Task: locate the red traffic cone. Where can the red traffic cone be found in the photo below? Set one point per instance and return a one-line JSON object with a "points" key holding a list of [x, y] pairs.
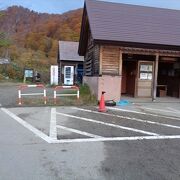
{"points": [[102, 107]]}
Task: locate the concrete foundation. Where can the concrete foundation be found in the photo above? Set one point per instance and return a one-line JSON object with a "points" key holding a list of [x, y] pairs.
{"points": [[110, 84]]}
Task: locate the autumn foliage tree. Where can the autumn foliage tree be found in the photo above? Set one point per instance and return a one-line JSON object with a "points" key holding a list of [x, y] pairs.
{"points": [[34, 36]]}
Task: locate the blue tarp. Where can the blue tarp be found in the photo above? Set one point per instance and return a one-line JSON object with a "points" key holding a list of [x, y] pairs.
{"points": [[122, 103]]}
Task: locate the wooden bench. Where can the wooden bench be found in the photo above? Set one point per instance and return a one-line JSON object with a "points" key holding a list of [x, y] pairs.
{"points": [[162, 90]]}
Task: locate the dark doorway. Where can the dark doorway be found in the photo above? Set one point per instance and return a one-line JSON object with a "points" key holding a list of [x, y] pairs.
{"points": [[79, 73], [168, 78], [129, 71]]}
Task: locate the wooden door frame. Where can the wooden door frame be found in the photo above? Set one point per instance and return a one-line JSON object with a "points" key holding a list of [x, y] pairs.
{"points": [[137, 76]]}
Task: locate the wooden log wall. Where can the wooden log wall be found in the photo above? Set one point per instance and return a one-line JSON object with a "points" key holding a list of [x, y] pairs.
{"points": [[96, 59], [91, 59], [110, 60], [88, 59]]}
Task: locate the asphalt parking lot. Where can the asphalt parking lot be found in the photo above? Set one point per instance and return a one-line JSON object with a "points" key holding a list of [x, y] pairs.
{"points": [[113, 145], [138, 141], [75, 124]]}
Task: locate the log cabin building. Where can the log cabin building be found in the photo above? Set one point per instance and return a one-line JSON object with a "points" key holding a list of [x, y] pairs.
{"points": [[130, 49], [70, 64]]}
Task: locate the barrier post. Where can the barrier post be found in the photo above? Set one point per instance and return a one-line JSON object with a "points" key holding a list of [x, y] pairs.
{"points": [[55, 96], [78, 94], [19, 97], [45, 97]]}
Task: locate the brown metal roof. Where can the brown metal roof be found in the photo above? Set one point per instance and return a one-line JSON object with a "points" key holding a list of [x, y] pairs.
{"points": [[68, 51], [131, 23]]}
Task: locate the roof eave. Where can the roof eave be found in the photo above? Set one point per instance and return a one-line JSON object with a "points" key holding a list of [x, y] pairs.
{"points": [[138, 45], [85, 28], [82, 34]]}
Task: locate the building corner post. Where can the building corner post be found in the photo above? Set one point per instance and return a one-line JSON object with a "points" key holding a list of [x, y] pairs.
{"points": [[120, 62], [100, 60], [155, 78]]}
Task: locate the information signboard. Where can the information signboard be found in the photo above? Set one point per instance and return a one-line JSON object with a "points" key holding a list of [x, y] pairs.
{"points": [[28, 73]]}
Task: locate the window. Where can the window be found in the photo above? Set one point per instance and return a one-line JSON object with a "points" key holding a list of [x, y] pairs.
{"points": [[146, 71]]}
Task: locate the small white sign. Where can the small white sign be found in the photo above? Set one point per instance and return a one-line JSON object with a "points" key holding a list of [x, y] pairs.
{"points": [[149, 76], [4, 61], [143, 76], [54, 75], [150, 68], [144, 67]]}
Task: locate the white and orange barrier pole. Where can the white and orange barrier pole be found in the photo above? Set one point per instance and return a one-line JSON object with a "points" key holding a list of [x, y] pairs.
{"points": [[65, 88], [23, 87]]}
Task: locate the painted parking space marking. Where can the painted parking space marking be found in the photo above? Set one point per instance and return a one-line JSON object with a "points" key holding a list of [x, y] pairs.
{"points": [[104, 139], [143, 113], [160, 110], [27, 125], [174, 110], [78, 132], [131, 119], [107, 124], [91, 137], [53, 129]]}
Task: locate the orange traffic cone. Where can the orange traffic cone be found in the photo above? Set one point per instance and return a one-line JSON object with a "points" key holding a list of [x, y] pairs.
{"points": [[102, 107]]}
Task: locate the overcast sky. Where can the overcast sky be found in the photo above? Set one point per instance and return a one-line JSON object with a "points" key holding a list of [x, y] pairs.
{"points": [[60, 6]]}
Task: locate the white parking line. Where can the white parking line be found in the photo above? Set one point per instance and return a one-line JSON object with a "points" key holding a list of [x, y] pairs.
{"points": [[131, 119], [53, 130], [161, 110], [78, 132], [108, 124], [95, 139], [104, 139], [28, 126], [174, 110], [137, 112], [169, 109]]}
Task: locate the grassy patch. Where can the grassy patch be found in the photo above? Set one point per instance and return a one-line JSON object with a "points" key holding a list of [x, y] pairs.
{"points": [[86, 96]]}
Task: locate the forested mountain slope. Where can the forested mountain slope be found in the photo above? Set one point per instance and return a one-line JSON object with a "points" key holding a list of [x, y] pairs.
{"points": [[34, 36]]}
